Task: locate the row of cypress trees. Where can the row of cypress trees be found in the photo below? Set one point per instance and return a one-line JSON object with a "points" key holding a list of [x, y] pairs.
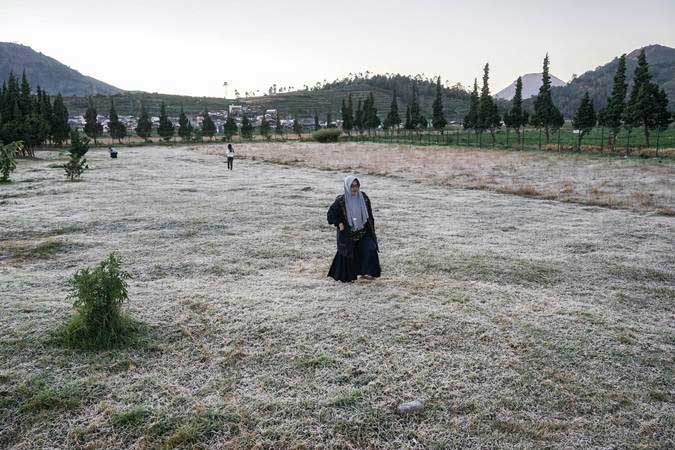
{"points": [[33, 119], [646, 107]]}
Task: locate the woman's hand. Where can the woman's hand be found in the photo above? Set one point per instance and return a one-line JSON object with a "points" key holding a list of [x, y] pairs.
{"points": [[341, 226]]}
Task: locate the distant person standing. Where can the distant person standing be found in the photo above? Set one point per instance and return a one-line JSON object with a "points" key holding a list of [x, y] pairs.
{"points": [[230, 156]]}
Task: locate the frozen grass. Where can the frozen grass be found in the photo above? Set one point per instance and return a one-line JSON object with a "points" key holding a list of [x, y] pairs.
{"points": [[521, 322], [642, 185]]}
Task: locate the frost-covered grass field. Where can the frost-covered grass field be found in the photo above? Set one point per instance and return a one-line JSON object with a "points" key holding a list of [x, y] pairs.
{"points": [[611, 181], [520, 322]]}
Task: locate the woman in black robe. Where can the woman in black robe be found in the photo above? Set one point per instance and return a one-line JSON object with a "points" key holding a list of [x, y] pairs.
{"points": [[357, 247]]}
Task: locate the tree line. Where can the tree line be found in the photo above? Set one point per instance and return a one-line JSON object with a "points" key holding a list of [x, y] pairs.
{"points": [[32, 119], [646, 107]]}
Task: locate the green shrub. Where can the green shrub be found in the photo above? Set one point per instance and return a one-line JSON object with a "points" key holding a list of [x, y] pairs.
{"points": [[327, 135], [8, 159], [77, 163], [99, 322]]}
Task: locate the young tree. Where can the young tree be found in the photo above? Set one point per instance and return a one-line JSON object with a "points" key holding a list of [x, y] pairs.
{"points": [[584, 119], [77, 163], [265, 130], [348, 115], [8, 159], [92, 128], [165, 128], [230, 128], [116, 128], [612, 115], [208, 127], [438, 119], [184, 126], [329, 121], [60, 127], [471, 118], [297, 127], [546, 114], [488, 114], [393, 120], [144, 126], [246, 128]]}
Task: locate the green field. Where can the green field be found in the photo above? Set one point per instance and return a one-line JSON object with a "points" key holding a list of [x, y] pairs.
{"points": [[564, 139]]}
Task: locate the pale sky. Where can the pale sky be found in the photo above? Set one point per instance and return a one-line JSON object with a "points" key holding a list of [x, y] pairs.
{"points": [[191, 47]]}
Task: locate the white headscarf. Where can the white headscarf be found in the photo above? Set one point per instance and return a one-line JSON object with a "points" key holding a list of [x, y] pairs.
{"points": [[355, 205]]}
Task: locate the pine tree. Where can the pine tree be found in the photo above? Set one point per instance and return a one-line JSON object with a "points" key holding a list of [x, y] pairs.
{"points": [[488, 114], [92, 128], [246, 128], [297, 127], [184, 126], [438, 119], [144, 125], [370, 117], [546, 114], [408, 120], [116, 128], [347, 115], [663, 118], [517, 116], [393, 120], [60, 127], [25, 101], [165, 128], [471, 118], [612, 115], [208, 127], [230, 128], [641, 109], [584, 119], [414, 110], [358, 119]]}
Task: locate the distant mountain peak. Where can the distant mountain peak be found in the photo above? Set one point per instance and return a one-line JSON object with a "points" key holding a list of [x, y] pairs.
{"points": [[48, 73], [531, 85]]}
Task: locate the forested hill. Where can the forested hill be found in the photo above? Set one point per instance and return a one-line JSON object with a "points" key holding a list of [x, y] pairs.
{"points": [[598, 82], [328, 97], [322, 99], [48, 73]]}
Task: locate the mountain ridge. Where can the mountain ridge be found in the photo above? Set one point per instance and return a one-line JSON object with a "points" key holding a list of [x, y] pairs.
{"points": [[48, 73]]}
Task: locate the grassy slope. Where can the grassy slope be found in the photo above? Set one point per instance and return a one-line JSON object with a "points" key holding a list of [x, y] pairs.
{"points": [[522, 323]]}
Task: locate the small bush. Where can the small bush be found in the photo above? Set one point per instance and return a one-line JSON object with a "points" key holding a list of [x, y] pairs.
{"points": [[99, 322], [327, 135]]}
